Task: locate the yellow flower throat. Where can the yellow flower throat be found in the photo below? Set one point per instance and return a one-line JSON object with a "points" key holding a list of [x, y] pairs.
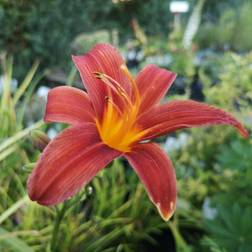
{"points": [[117, 128]]}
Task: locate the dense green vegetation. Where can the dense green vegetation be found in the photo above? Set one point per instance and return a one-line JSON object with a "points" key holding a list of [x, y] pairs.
{"points": [[45, 30]]}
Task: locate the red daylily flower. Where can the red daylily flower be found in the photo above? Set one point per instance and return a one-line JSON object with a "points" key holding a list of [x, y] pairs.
{"points": [[113, 119]]}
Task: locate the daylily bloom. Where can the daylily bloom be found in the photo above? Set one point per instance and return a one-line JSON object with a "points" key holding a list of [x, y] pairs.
{"points": [[117, 117]]}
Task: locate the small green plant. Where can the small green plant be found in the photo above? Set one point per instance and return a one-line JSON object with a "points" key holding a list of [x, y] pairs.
{"points": [[232, 228]]}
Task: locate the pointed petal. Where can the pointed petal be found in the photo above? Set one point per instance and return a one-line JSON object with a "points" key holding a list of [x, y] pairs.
{"points": [[155, 170], [103, 58], [176, 115], [153, 82], [68, 105], [68, 163]]}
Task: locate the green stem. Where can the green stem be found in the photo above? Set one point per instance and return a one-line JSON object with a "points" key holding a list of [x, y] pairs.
{"points": [[181, 244], [59, 217]]}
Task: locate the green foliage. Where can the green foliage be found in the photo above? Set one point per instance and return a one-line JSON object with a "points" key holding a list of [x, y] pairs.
{"points": [[232, 75], [232, 30], [13, 107], [13, 154], [49, 37], [216, 163], [236, 175], [212, 245], [230, 156], [9, 243], [84, 42], [182, 58], [116, 208], [232, 228]]}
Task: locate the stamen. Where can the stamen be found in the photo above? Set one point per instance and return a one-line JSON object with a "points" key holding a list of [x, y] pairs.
{"points": [[109, 100], [98, 75], [117, 127], [118, 89], [133, 82], [101, 76]]}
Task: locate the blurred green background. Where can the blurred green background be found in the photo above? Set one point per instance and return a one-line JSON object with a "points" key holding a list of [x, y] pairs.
{"points": [[210, 47]]}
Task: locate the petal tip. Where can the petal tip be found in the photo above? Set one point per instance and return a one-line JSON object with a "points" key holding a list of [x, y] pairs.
{"points": [[244, 133], [35, 197], [166, 213]]}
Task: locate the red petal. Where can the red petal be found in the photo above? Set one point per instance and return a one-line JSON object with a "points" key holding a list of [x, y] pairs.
{"points": [[155, 170], [68, 163], [102, 58], [176, 115], [68, 105], [153, 82]]}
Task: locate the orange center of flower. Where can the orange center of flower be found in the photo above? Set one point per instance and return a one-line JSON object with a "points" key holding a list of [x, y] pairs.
{"points": [[118, 127]]}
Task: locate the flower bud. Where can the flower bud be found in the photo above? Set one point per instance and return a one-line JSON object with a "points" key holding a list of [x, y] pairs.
{"points": [[39, 139]]}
